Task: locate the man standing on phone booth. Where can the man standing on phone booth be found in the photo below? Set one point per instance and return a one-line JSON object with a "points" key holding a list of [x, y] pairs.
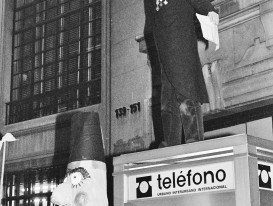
{"points": [[170, 23]]}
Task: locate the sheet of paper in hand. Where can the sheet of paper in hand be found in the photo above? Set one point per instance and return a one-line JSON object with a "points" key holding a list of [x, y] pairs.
{"points": [[209, 29]]}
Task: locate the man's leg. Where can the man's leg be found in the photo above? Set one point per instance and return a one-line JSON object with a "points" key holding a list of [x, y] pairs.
{"points": [[171, 121], [192, 120]]}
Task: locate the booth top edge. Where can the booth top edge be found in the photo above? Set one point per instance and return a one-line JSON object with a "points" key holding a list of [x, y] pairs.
{"points": [[219, 144]]}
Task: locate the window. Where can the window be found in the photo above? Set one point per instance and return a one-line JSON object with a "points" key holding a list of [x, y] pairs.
{"points": [[32, 187], [56, 61]]}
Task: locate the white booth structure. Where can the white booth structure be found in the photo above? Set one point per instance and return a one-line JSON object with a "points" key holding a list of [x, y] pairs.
{"points": [[230, 171]]}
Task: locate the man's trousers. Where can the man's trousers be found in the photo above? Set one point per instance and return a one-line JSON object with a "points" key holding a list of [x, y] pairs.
{"points": [[178, 112]]}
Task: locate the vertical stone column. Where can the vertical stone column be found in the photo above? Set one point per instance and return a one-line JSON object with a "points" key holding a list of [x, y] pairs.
{"points": [[2, 15], [6, 29]]}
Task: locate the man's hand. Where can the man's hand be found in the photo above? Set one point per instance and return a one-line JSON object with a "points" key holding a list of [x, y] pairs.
{"points": [[214, 17]]}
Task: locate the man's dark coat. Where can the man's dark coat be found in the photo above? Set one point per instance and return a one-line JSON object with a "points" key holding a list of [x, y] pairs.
{"points": [[174, 33]]}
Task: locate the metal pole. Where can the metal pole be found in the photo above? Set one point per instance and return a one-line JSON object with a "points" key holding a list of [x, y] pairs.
{"points": [[2, 171]]}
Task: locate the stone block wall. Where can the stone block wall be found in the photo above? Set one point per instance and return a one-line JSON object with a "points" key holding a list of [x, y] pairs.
{"points": [[130, 80]]}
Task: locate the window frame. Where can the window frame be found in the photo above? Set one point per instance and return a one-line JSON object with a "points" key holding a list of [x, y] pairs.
{"points": [[48, 122], [27, 186], [61, 81]]}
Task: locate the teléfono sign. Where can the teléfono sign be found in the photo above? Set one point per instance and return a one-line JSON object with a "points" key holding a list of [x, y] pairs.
{"points": [[178, 181]]}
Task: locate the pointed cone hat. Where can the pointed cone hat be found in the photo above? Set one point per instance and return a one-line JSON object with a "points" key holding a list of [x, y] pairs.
{"points": [[86, 138]]}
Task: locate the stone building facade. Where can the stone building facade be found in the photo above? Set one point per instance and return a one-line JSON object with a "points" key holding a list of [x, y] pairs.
{"points": [[238, 78]]}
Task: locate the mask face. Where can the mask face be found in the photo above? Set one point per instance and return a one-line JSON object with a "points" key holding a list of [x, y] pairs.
{"points": [[84, 185]]}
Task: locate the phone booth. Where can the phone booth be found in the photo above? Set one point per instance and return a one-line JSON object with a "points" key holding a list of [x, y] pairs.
{"points": [[230, 171]]}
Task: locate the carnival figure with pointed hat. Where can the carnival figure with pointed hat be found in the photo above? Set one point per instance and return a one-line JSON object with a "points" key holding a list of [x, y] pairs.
{"points": [[85, 182]]}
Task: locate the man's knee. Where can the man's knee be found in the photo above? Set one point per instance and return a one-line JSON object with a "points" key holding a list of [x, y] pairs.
{"points": [[187, 107]]}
